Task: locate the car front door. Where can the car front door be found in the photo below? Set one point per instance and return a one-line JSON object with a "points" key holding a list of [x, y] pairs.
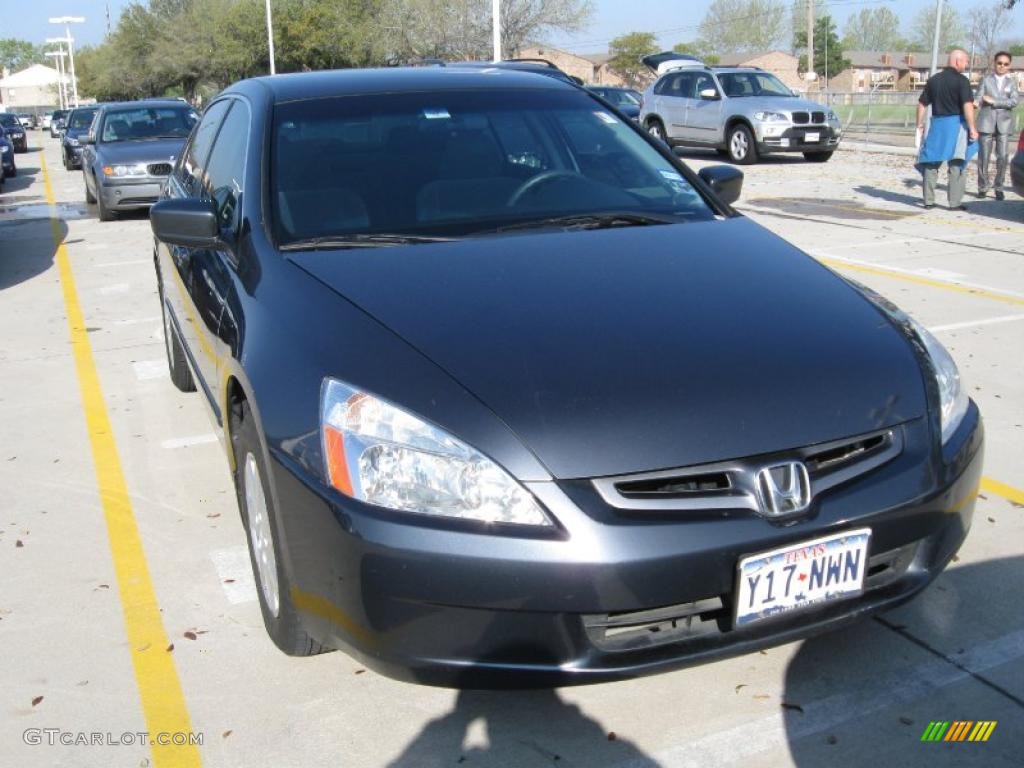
{"points": [[704, 116], [678, 95]]}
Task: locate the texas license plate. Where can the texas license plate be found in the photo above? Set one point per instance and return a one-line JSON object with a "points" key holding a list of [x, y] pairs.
{"points": [[801, 576], [811, 137]]}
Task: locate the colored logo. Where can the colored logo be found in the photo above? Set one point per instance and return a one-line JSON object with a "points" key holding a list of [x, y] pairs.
{"points": [[958, 730]]}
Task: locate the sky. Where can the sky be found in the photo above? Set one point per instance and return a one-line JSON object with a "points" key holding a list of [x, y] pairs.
{"points": [[673, 21]]}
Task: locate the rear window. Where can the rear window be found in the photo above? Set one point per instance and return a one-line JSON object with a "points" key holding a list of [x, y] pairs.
{"points": [[461, 163], [81, 119], [148, 123]]}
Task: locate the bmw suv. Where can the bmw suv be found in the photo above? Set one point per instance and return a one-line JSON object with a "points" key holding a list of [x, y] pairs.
{"points": [[743, 112]]}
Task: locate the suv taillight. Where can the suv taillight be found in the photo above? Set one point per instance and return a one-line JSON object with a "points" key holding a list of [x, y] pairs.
{"points": [[1020, 142]]}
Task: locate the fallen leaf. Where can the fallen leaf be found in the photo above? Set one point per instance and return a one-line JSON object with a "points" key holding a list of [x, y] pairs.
{"points": [[797, 707], [761, 696], [202, 631], [217, 514], [36, 700], [190, 635], [991, 519], [360, 671], [612, 736], [741, 685], [18, 543], [170, 647], [104, 586], [229, 581], [226, 734], [956, 558]]}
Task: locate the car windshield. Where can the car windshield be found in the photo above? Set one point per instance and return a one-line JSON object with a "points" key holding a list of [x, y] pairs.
{"points": [[142, 123], [456, 163], [737, 84], [81, 119], [10, 120]]}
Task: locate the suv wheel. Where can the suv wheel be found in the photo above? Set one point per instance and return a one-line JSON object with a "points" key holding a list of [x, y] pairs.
{"points": [[657, 129], [740, 145]]}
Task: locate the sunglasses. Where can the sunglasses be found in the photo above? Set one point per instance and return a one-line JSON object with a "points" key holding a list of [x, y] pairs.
{"points": [[1002, 63]]}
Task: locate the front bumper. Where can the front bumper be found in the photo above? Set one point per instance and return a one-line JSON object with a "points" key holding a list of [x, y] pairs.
{"points": [[430, 603], [7, 162], [20, 144], [782, 137], [73, 155], [130, 194]]}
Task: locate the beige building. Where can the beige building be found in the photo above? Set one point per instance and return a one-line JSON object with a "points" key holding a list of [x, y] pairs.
{"points": [[35, 86], [591, 68], [781, 64], [901, 71]]}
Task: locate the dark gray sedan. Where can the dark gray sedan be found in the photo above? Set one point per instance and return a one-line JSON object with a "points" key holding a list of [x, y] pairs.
{"points": [[511, 395], [130, 150]]}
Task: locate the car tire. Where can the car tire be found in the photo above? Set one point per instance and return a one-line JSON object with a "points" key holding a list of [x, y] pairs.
{"points": [[13, 173], [256, 506], [177, 363], [102, 211], [64, 159], [89, 198], [817, 157], [740, 145], [657, 129]]}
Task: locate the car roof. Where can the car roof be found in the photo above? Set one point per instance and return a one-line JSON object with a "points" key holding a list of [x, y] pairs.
{"points": [[142, 104], [313, 85]]}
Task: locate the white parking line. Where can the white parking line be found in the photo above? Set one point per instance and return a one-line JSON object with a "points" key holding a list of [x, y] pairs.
{"points": [[185, 442], [150, 369], [235, 572], [136, 320], [123, 263], [116, 288], [974, 323], [729, 746]]}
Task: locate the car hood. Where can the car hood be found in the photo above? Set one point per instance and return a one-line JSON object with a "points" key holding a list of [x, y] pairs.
{"points": [[617, 351], [777, 103], [142, 151]]}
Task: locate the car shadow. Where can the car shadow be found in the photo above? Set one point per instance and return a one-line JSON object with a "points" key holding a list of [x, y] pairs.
{"points": [[27, 248], [517, 728], [694, 153], [865, 695]]}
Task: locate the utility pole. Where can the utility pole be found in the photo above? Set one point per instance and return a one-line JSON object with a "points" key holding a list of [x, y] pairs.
{"points": [[59, 56], [810, 39], [496, 25], [270, 38], [935, 39], [67, 21]]}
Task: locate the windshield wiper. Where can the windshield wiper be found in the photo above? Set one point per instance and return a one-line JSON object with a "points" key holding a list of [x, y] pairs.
{"points": [[592, 221], [360, 241]]}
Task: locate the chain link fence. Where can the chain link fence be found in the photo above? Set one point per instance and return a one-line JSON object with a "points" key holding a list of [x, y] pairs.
{"points": [[884, 117]]}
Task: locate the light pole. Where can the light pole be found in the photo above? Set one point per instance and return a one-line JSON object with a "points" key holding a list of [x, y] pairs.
{"points": [[270, 38], [67, 21], [59, 56], [496, 25]]}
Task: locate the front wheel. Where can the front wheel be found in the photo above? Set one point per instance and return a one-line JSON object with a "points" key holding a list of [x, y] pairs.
{"points": [[740, 146], [104, 212], [89, 197], [817, 157], [258, 515], [657, 129]]}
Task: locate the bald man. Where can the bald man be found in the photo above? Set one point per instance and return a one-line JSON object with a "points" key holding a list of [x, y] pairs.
{"points": [[952, 136]]}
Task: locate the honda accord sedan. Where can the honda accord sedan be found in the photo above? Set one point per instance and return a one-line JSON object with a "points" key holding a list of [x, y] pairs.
{"points": [[513, 397]]}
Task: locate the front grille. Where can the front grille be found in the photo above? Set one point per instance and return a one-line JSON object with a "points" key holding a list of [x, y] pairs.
{"points": [[629, 631], [818, 117], [732, 485], [159, 169], [800, 118]]}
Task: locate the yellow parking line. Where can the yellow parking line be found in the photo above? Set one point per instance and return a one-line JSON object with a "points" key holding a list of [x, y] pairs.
{"points": [[1008, 492], [163, 702], [931, 282]]}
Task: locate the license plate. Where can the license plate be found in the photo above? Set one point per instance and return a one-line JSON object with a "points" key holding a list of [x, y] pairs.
{"points": [[809, 137], [805, 575]]}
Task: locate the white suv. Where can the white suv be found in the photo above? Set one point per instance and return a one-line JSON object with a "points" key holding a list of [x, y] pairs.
{"points": [[743, 112]]}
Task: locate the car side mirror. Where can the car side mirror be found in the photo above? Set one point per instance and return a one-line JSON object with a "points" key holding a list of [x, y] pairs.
{"points": [[188, 222], [709, 94], [725, 181], [88, 139]]}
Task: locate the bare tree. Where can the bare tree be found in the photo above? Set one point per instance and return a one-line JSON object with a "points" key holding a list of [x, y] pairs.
{"points": [[922, 29], [986, 24], [873, 29], [744, 25], [461, 29]]}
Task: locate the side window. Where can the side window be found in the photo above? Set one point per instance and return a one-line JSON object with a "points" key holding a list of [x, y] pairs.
{"points": [[225, 170], [198, 148], [704, 82], [683, 86]]}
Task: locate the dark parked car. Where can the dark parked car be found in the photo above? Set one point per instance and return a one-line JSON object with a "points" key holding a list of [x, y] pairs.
{"points": [[8, 167], [15, 131], [511, 396], [626, 100], [536, 66], [76, 127], [57, 122], [1017, 167], [129, 152]]}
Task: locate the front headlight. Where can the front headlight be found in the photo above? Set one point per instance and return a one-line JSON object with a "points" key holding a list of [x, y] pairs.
{"points": [[953, 398], [3, 149], [772, 117], [72, 141], [124, 171], [380, 454]]}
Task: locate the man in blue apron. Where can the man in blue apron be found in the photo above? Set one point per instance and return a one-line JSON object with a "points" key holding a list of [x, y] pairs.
{"points": [[952, 136]]}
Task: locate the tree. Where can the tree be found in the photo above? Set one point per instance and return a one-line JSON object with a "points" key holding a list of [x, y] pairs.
{"points": [[16, 54], [922, 30], [626, 52], [731, 26], [875, 29], [986, 25], [825, 38], [699, 50]]}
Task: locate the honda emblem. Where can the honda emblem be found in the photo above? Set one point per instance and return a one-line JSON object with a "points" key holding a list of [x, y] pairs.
{"points": [[784, 489]]}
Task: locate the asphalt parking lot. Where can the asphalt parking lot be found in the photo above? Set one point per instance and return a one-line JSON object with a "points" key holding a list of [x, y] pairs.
{"points": [[127, 603]]}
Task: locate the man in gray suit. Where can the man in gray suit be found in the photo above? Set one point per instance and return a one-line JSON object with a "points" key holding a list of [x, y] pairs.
{"points": [[996, 98]]}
